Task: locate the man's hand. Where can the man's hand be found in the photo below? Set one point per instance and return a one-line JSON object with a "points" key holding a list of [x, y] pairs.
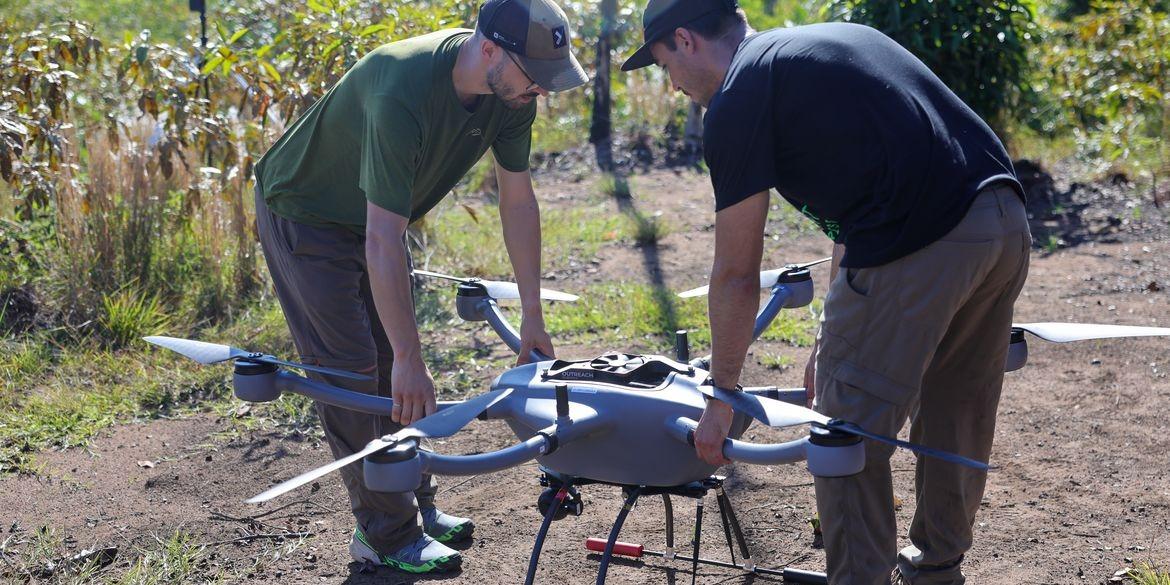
{"points": [[712, 430], [413, 390], [533, 336]]}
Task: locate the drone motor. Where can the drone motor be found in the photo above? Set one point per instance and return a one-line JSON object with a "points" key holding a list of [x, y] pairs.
{"points": [[572, 504]]}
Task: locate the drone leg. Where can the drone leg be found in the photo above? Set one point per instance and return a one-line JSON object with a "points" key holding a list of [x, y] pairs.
{"points": [[724, 504], [613, 534], [729, 517], [539, 544], [669, 552], [695, 542]]}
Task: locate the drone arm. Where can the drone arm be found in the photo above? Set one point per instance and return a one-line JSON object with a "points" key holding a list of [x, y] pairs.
{"points": [[795, 396], [484, 462], [507, 333], [764, 318], [347, 399], [683, 430]]}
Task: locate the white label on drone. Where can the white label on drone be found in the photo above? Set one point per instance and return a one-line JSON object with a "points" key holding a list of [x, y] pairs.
{"points": [[584, 390]]}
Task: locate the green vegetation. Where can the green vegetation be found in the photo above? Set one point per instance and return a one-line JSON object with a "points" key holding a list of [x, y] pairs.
{"points": [[979, 49], [1147, 574]]}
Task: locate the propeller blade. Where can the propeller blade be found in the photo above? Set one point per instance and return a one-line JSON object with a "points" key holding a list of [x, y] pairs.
{"points": [[438, 275], [443, 423], [311, 368], [300, 480], [782, 414], [848, 427], [502, 290], [1064, 332], [449, 421], [509, 290], [768, 278], [210, 353], [770, 412], [200, 351]]}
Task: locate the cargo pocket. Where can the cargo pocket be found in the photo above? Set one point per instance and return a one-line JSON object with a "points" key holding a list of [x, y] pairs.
{"points": [[873, 384]]}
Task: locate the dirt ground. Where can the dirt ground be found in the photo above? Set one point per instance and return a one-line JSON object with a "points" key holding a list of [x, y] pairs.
{"points": [[1081, 489]]}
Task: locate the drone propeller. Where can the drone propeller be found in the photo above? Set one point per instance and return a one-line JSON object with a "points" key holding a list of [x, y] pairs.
{"points": [[501, 290], [443, 423], [768, 278], [1064, 332], [210, 353], [775, 413]]}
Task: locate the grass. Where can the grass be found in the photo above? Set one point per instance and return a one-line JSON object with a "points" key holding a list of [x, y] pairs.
{"points": [[57, 399], [628, 313], [1147, 574], [457, 241], [180, 557]]}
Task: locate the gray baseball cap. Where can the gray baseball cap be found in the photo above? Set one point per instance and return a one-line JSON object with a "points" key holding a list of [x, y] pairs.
{"points": [[537, 32]]}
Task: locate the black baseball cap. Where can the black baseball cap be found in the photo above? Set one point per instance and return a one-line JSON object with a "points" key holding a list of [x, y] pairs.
{"points": [[537, 32], [662, 17]]}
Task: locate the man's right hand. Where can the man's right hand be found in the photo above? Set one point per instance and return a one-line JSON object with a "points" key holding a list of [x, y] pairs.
{"points": [[413, 390]]}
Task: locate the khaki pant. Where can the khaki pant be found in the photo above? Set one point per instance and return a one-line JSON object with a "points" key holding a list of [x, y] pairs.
{"points": [[924, 337], [324, 290]]}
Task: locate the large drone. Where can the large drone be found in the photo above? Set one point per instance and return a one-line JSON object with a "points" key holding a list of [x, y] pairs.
{"points": [[580, 420]]}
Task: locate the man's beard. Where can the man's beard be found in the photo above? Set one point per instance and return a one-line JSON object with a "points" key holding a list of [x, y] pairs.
{"points": [[512, 98]]}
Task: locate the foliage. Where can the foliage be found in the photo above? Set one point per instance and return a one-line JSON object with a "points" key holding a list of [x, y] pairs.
{"points": [[979, 49], [129, 314], [1105, 74]]}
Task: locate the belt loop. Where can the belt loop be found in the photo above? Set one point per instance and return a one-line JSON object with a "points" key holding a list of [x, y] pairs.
{"points": [[998, 192]]}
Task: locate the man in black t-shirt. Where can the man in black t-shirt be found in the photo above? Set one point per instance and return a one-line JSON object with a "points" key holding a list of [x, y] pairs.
{"points": [[930, 252]]}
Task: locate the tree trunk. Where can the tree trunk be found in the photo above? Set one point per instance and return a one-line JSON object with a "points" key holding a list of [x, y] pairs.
{"points": [[601, 128], [693, 133]]}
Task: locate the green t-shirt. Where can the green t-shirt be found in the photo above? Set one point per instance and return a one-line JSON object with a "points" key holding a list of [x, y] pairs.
{"points": [[393, 132]]}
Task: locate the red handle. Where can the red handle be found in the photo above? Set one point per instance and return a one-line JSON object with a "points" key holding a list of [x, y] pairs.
{"points": [[619, 548]]}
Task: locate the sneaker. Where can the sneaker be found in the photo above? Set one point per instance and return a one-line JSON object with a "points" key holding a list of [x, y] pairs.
{"points": [[445, 527], [424, 555]]}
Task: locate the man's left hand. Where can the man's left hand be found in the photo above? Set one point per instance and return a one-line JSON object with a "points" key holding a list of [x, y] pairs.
{"points": [[533, 336], [712, 430]]}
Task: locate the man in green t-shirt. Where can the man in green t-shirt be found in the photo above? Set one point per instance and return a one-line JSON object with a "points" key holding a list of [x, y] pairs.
{"points": [[335, 195]]}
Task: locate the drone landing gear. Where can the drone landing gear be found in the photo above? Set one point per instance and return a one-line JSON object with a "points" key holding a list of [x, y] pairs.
{"points": [[698, 491]]}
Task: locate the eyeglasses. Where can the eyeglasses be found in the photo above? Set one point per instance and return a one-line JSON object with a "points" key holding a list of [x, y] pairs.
{"points": [[532, 85]]}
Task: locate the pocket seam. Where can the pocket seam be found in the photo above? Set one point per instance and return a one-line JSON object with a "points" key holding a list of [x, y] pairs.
{"points": [[873, 383]]}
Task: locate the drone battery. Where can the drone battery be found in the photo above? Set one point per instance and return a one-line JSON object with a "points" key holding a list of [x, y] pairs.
{"points": [[255, 382], [398, 469], [834, 454]]}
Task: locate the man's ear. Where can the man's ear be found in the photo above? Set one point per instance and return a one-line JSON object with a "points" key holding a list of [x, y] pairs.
{"points": [[488, 49], [685, 40]]}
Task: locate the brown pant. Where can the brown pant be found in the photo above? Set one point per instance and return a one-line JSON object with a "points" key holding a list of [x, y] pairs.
{"points": [[924, 337], [324, 289]]}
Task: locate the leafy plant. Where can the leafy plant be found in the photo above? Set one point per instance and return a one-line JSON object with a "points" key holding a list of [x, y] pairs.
{"points": [[1106, 78], [979, 49], [130, 314]]}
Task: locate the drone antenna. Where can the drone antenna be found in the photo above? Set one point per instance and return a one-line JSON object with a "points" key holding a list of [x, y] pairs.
{"points": [[562, 402], [682, 347]]}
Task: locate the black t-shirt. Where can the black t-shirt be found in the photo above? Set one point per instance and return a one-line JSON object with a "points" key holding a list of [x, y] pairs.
{"points": [[854, 131]]}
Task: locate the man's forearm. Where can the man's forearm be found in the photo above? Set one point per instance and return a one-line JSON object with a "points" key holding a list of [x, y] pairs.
{"points": [[386, 262], [732, 304], [521, 227]]}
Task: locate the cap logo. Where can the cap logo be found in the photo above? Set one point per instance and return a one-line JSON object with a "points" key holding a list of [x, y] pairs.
{"points": [[559, 37], [496, 36]]}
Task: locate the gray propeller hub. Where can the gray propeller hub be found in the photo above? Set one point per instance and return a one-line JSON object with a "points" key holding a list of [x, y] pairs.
{"points": [[469, 301], [255, 382], [834, 454], [1017, 354], [397, 469]]}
